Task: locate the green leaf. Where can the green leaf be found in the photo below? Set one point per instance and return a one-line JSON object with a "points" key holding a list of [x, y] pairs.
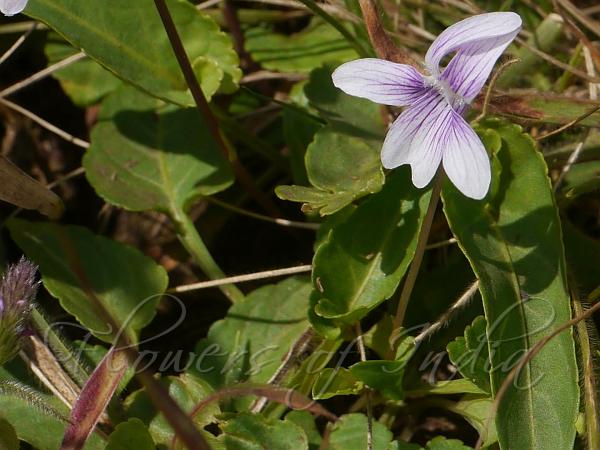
{"points": [[382, 375], [306, 421], [132, 434], [130, 41], [86, 82], [146, 155], [365, 257], [94, 277], [254, 432], [449, 387], [35, 423], [513, 242], [299, 131], [300, 52], [581, 179], [346, 114], [187, 391], [441, 443], [476, 410], [341, 168], [343, 160], [8, 436], [470, 354], [332, 382], [350, 433], [251, 342]]}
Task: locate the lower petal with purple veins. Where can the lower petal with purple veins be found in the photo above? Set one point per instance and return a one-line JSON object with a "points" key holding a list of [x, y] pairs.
{"points": [[465, 159]]}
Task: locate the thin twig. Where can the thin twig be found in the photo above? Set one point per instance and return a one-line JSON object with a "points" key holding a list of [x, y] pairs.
{"points": [[459, 304], [567, 125], [41, 74], [241, 278], [488, 92], [441, 244], [13, 48], [203, 107], [45, 124], [282, 222], [531, 354]]}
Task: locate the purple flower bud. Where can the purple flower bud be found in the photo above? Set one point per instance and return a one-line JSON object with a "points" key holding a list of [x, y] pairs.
{"points": [[18, 289]]}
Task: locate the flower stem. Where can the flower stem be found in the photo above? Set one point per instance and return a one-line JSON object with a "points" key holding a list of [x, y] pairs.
{"points": [[193, 243], [411, 277]]}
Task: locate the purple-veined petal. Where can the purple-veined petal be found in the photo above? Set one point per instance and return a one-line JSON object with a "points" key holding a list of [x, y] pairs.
{"points": [[465, 160], [469, 30], [417, 136], [12, 7], [380, 81]]}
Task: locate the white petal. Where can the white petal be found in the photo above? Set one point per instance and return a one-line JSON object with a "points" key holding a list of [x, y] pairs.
{"points": [[480, 40], [465, 160], [417, 137], [380, 81], [12, 7]]}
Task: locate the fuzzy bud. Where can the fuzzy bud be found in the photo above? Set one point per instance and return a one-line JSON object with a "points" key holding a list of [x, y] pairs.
{"points": [[18, 289]]}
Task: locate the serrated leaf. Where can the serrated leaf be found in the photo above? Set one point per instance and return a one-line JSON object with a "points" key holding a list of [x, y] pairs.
{"points": [[250, 343], [470, 354], [513, 242], [299, 52], [93, 276], [332, 382], [382, 375], [132, 434], [365, 257], [350, 433], [146, 155], [85, 82], [254, 432], [141, 54]]}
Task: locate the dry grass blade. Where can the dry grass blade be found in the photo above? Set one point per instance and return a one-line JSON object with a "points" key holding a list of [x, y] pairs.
{"points": [[21, 190]]}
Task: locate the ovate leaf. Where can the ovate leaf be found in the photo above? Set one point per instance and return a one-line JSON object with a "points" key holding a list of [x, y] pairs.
{"points": [[513, 242], [129, 39], [331, 382], [250, 343], [97, 280], [363, 260], [148, 155]]}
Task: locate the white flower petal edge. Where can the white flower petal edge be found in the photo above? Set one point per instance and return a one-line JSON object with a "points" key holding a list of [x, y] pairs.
{"points": [[480, 28], [12, 7], [380, 81], [465, 159]]}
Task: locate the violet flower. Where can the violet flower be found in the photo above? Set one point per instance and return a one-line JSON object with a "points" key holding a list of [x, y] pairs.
{"points": [[12, 7], [18, 289], [431, 129]]}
